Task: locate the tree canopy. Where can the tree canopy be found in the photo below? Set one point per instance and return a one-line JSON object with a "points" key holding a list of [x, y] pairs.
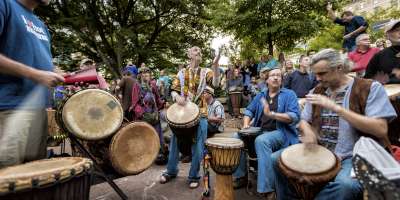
{"points": [[114, 32], [270, 23]]}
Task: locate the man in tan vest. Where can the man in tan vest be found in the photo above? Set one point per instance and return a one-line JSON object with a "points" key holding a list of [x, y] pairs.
{"points": [[337, 112]]}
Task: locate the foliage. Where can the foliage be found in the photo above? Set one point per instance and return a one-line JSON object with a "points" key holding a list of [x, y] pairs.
{"points": [[114, 32], [269, 23]]}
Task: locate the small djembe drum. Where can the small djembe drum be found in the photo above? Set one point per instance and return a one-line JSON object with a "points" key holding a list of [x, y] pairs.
{"points": [[56, 178], [225, 157], [308, 168]]}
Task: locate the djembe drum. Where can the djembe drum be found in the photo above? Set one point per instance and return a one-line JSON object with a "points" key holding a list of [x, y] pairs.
{"points": [[308, 169], [225, 157], [90, 114], [56, 178], [55, 134], [134, 148], [236, 98], [248, 136], [184, 121], [393, 91]]}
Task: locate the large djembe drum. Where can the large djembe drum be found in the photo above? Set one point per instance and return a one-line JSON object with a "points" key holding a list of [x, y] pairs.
{"points": [[184, 121], [134, 148], [393, 91], [49, 179], [90, 114], [225, 157], [236, 99], [308, 168]]}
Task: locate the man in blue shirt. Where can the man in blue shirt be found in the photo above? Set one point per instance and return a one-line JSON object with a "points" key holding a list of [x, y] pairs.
{"points": [[301, 81], [25, 71], [276, 111], [353, 26]]}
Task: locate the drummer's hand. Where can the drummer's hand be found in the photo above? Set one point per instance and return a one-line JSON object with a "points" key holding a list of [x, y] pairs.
{"points": [[245, 126], [47, 78], [323, 101], [180, 100], [267, 111]]}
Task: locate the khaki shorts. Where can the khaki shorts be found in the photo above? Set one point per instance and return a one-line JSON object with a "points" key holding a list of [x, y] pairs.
{"points": [[23, 135]]}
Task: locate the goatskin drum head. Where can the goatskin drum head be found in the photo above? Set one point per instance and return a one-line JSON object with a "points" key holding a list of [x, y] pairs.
{"points": [[134, 148], [302, 159], [224, 142], [43, 171], [92, 114], [178, 114]]}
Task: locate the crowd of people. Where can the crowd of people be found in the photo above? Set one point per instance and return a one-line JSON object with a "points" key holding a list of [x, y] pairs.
{"points": [[340, 106]]}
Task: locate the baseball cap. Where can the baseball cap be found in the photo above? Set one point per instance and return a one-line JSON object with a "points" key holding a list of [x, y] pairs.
{"points": [[391, 25]]}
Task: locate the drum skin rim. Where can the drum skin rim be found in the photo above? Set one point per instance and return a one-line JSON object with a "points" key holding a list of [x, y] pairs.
{"points": [[182, 125], [238, 145], [88, 137], [113, 146], [25, 180]]}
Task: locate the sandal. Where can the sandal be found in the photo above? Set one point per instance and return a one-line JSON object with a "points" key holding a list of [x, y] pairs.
{"points": [[193, 184], [165, 178]]}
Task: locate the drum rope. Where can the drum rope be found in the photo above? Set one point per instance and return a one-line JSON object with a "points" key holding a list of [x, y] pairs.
{"points": [[206, 176]]}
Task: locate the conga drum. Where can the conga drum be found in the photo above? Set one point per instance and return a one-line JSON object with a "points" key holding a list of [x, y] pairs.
{"points": [[248, 136], [236, 98], [184, 121], [134, 148], [393, 90], [225, 157], [308, 169], [57, 178], [90, 114]]}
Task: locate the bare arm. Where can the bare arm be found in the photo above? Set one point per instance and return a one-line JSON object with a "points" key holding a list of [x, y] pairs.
{"points": [[307, 134], [359, 30], [14, 68], [331, 13], [215, 69], [246, 122]]}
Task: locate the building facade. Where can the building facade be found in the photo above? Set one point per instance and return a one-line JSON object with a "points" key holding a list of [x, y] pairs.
{"points": [[365, 7]]}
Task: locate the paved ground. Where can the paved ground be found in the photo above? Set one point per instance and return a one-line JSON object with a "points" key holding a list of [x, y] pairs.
{"points": [[145, 187]]}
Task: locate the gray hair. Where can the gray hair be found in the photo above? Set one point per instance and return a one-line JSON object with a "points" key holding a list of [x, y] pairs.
{"points": [[359, 37], [333, 57]]}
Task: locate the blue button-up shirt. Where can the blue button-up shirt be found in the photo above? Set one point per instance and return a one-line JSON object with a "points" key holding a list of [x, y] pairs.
{"points": [[287, 103]]}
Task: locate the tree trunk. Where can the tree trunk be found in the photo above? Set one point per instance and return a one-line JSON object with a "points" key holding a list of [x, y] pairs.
{"points": [[270, 45]]}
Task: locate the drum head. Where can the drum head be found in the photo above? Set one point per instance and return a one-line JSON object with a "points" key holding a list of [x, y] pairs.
{"points": [[178, 114], [392, 90], [250, 131], [315, 160], [44, 171], [134, 148], [92, 114], [224, 142]]}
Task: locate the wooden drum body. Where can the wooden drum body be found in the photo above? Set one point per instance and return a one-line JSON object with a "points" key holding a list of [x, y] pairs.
{"points": [[225, 157], [308, 169], [236, 99], [91, 114], [134, 148], [57, 178], [184, 122], [393, 90]]}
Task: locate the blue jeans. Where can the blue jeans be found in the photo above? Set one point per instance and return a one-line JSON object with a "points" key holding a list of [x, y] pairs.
{"points": [[265, 145], [197, 153], [342, 188]]}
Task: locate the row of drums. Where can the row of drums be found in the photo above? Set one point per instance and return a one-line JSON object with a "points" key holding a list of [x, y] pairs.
{"points": [[96, 118]]}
